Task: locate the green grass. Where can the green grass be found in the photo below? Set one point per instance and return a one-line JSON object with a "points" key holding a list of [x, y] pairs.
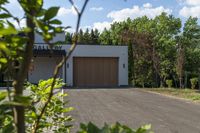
{"points": [[182, 93]]}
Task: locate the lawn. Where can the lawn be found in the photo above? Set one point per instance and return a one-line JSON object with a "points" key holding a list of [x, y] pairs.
{"points": [[190, 94]]}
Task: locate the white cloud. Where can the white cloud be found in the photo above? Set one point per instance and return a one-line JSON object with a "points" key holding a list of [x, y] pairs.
{"points": [[192, 2], [134, 12], [98, 25], [96, 8], [102, 25], [137, 11], [190, 8], [65, 11], [187, 11], [147, 5]]}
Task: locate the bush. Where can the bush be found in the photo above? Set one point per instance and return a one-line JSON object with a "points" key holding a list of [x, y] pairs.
{"points": [[116, 128], [52, 119], [169, 83], [36, 95], [193, 82]]}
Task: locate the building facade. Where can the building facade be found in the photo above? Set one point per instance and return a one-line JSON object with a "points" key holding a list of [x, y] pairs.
{"points": [[88, 65]]}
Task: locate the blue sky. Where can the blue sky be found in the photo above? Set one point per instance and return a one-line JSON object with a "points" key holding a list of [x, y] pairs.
{"points": [[101, 13]]}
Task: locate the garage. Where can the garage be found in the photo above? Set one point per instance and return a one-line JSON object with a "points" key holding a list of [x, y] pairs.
{"points": [[87, 66], [95, 71]]}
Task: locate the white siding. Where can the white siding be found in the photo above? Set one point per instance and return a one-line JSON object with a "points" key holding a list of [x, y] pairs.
{"points": [[95, 51], [43, 68]]}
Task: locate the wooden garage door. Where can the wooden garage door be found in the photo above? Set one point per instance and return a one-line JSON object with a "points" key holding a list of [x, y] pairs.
{"points": [[95, 72]]}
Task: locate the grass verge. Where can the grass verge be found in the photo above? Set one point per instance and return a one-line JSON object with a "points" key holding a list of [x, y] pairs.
{"points": [[190, 94]]}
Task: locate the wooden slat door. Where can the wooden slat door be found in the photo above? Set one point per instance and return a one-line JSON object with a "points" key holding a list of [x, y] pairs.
{"points": [[95, 71]]}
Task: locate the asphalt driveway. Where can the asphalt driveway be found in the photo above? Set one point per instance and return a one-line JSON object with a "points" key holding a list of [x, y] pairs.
{"points": [[134, 107]]}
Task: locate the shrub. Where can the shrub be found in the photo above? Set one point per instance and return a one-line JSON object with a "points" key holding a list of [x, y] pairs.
{"points": [[193, 82], [116, 128], [36, 95], [52, 119], [169, 83]]}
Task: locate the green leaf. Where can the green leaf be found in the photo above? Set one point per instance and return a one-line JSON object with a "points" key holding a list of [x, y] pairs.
{"points": [[13, 103], [58, 29], [41, 13], [39, 2], [4, 48], [5, 15], [3, 95], [2, 2], [143, 129], [8, 31], [56, 22], [92, 128], [3, 60], [9, 128], [51, 13], [33, 115], [20, 101], [48, 37], [25, 100], [69, 109], [26, 30], [147, 127]]}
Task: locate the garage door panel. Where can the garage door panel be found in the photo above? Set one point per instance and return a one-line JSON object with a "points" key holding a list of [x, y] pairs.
{"points": [[95, 72]]}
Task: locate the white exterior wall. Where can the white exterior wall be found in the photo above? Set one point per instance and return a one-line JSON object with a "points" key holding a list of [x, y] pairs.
{"points": [[101, 51], [43, 68], [97, 51]]}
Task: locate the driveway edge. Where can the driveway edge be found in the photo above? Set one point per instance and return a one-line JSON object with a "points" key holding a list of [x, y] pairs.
{"points": [[170, 96]]}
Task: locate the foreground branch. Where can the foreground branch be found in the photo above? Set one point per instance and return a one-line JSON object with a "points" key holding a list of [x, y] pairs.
{"points": [[18, 83], [60, 65]]}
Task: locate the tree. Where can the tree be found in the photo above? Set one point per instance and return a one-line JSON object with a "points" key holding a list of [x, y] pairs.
{"points": [[16, 51], [96, 36], [131, 63], [167, 27], [105, 38], [68, 38], [154, 46], [188, 49], [80, 36], [86, 37], [180, 64]]}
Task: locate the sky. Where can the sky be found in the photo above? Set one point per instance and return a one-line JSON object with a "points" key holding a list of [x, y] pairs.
{"points": [[101, 14]]}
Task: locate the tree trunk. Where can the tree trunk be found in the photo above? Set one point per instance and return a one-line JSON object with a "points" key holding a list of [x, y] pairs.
{"points": [[21, 75], [181, 83], [19, 119], [180, 65], [130, 63], [155, 65], [199, 78]]}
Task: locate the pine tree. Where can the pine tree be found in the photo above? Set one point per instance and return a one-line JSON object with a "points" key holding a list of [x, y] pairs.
{"points": [[86, 37], [68, 38], [80, 37]]}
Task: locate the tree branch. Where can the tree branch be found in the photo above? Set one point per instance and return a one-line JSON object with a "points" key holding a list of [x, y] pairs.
{"points": [[60, 65], [21, 74]]}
